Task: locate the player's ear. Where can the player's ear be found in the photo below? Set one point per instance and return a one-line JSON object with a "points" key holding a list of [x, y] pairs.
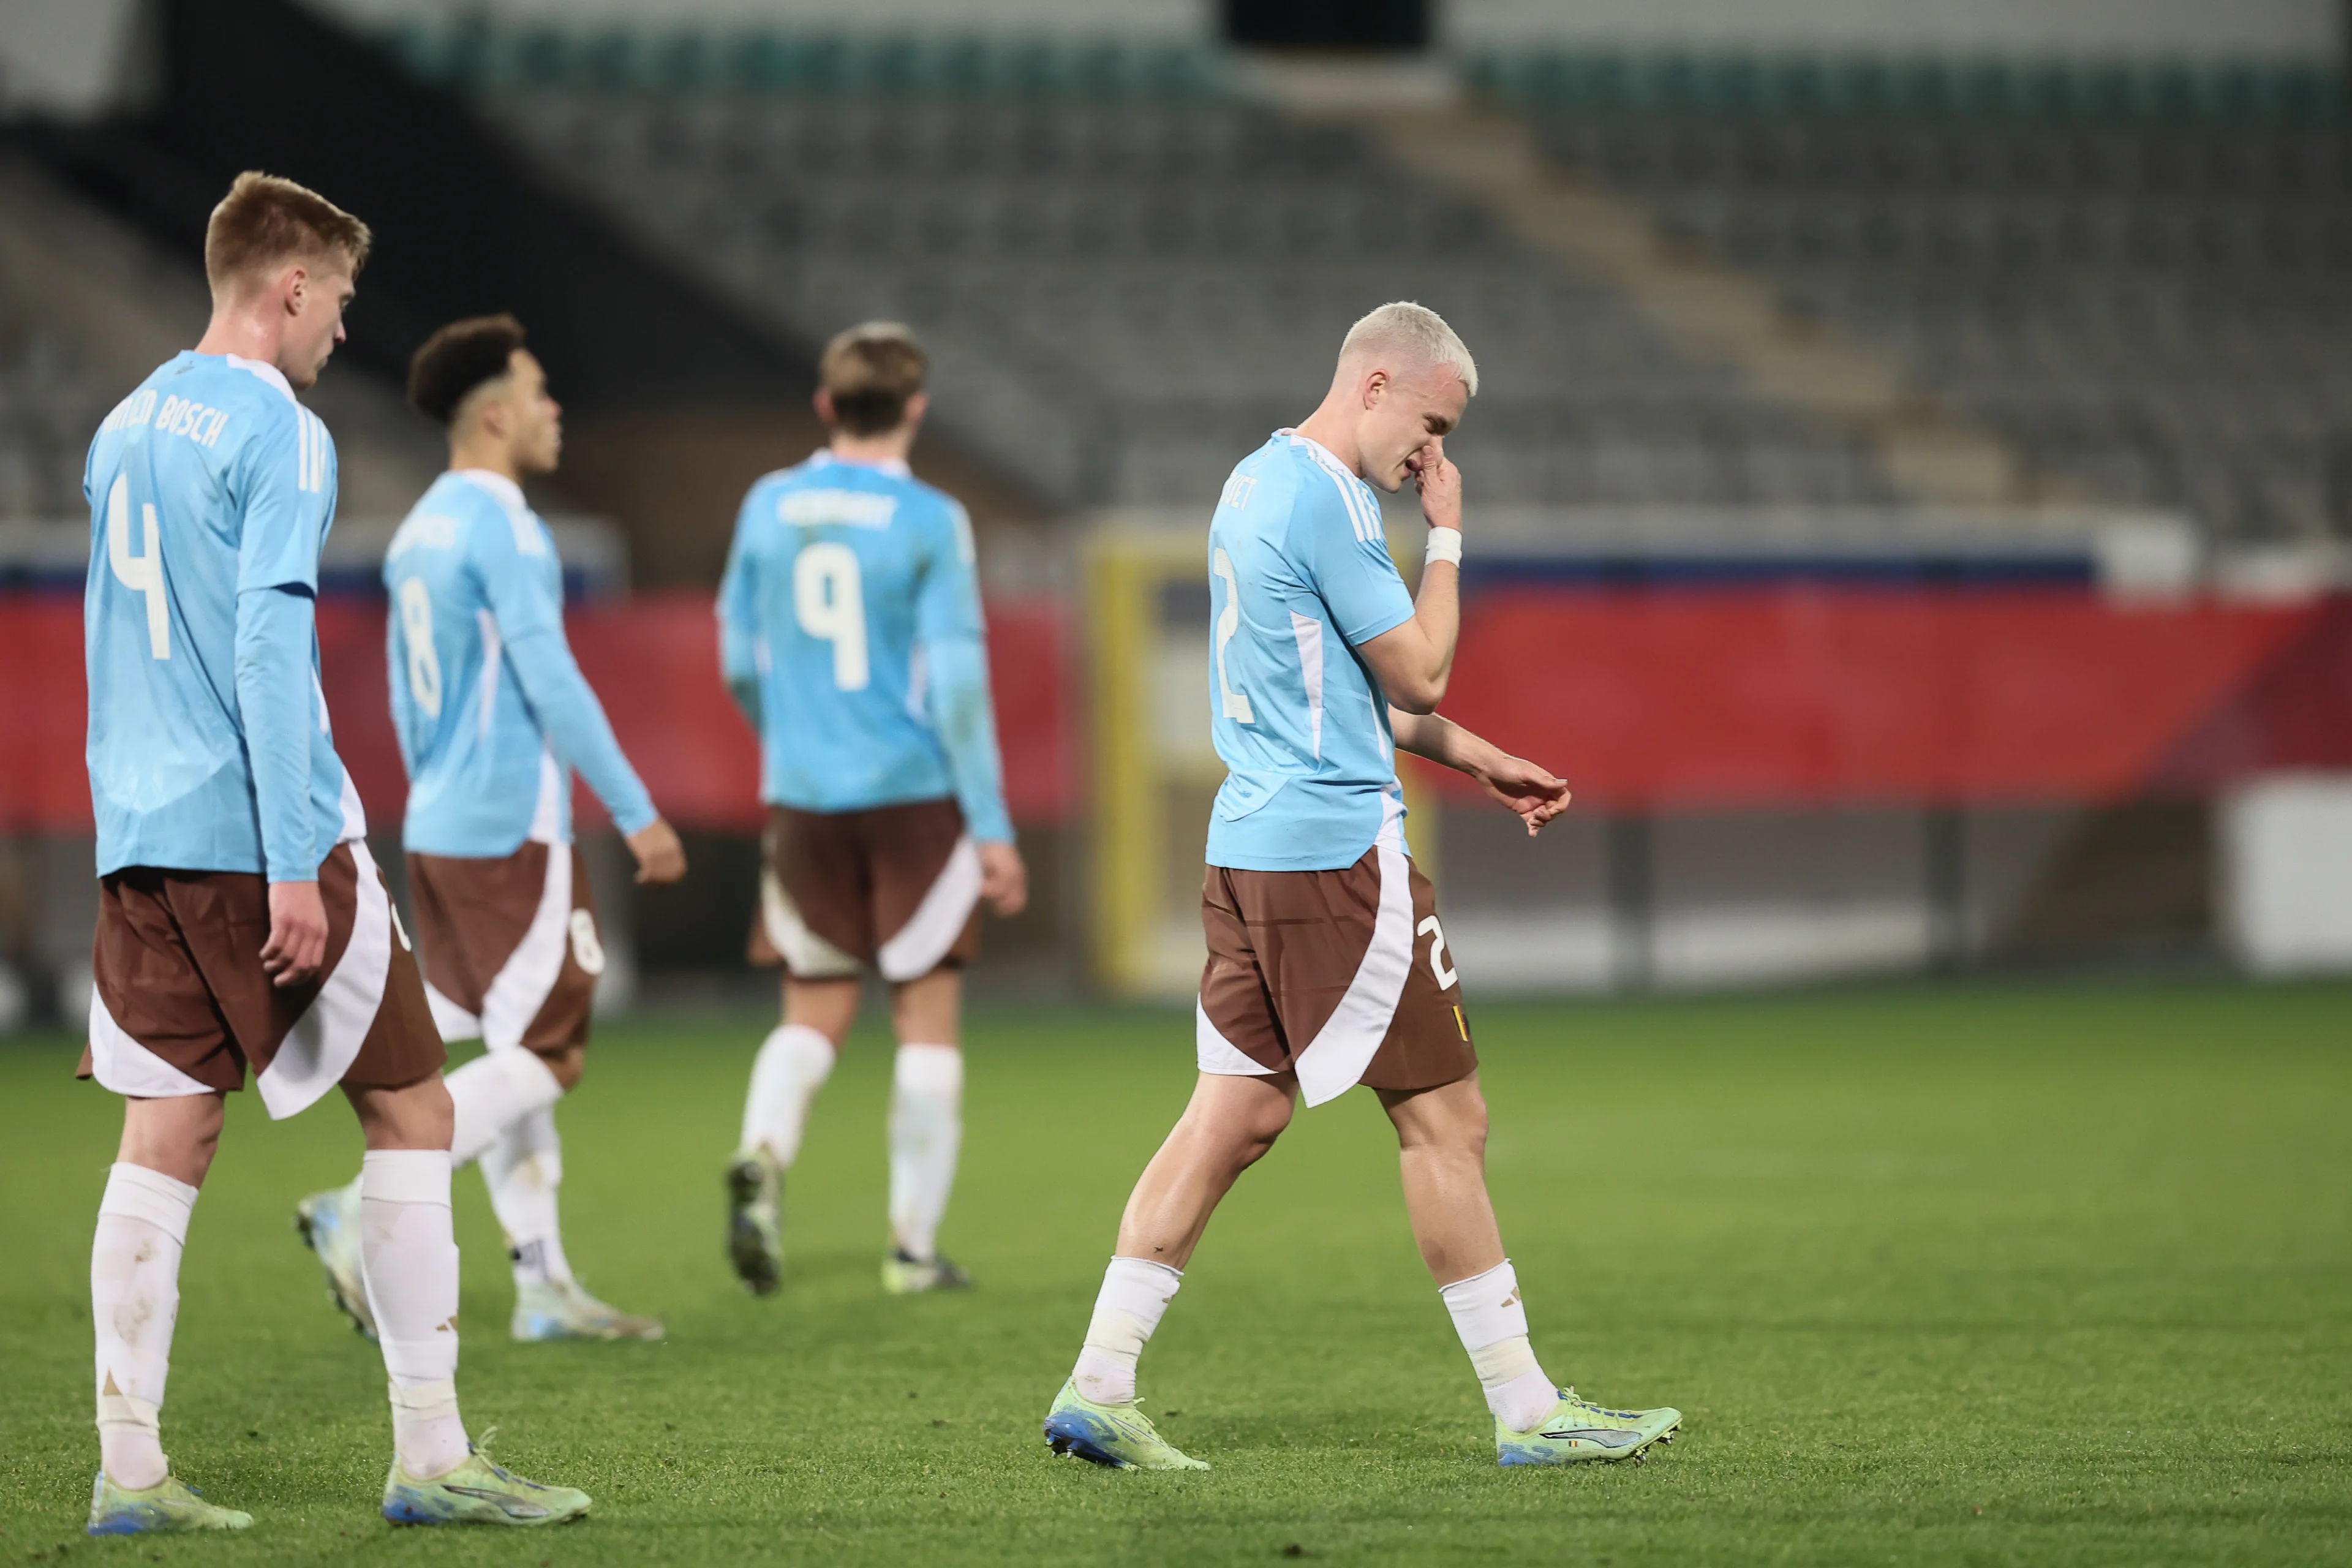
{"points": [[824, 402], [1376, 387], [917, 404]]}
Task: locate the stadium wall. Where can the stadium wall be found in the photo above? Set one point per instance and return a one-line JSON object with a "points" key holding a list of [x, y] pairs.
{"points": [[1772, 782]]}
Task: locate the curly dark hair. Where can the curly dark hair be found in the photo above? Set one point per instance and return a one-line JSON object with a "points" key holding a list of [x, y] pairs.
{"points": [[458, 358]]}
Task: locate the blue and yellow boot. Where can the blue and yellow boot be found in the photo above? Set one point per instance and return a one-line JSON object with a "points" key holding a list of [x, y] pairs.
{"points": [[170, 1507], [1118, 1436], [479, 1492]]}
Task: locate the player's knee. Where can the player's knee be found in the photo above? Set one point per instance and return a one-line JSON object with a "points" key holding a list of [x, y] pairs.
{"points": [[418, 1115], [1259, 1133]]}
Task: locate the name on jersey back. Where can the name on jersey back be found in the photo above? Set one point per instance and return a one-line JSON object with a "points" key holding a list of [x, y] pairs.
{"points": [[855, 508], [199, 422]]}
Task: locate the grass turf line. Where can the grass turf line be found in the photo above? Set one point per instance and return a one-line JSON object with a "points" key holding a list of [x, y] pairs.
{"points": [[1941, 1275]]}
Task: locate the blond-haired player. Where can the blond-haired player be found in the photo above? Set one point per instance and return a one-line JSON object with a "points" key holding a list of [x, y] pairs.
{"points": [[241, 922], [1328, 965]]}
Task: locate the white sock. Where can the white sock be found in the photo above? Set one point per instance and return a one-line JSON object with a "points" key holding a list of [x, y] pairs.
{"points": [[134, 1301], [411, 1259], [493, 1092], [794, 1062], [1493, 1323], [523, 1169], [1135, 1292], [926, 1135]]}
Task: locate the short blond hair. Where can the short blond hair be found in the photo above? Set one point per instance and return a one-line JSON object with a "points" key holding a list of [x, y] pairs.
{"points": [[869, 372], [266, 221], [1418, 332]]}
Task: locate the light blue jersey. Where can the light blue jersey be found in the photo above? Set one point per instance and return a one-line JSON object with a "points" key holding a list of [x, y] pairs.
{"points": [[211, 491], [851, 634], [492, 711], [1299, 577]]}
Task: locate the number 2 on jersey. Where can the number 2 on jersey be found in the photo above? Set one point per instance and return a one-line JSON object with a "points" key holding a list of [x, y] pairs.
{"points": [[1236, 704], [142, 573], [416, 636], [829, 600]]}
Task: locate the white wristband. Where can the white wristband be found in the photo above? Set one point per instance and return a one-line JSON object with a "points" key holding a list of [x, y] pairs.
{"points": [[1444, 544]]}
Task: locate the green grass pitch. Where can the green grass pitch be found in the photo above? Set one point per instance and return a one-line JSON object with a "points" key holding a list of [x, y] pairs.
{"points": [[1975, 1275]]}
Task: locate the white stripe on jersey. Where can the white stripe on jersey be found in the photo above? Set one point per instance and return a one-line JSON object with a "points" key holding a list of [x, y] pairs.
{"points": [[1308, 634], [489, 688], [309, 451], [1363, 512]]}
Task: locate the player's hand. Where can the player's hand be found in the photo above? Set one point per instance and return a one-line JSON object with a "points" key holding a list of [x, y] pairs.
{"points": [[1527, 789], [1440, 483], [660, 856], [1004, 879], [297, 948]]}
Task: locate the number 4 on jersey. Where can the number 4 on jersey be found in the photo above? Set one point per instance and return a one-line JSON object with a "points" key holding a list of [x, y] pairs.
{"points": [[141, 574]]}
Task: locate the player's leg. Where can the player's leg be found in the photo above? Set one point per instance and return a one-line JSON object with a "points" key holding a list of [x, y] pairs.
{"points": [[816, 920], [134, 1295], [926, 1130], [925, 875], [156, 1039], [549, 980], [473, 915], [793, 1065], [1441, 1153], [411, 1251], [1231, 1122], [1426, 1073], [523, 1169]]}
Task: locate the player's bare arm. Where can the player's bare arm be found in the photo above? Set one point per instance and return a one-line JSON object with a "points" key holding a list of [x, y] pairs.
{"points": [[1527, 788], [1416, 660]]}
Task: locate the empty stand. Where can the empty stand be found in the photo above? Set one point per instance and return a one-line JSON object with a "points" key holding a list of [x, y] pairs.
{"points": [[2158, 308], [1123, 294]]}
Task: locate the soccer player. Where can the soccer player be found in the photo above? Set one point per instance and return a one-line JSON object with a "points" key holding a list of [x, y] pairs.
{"points": [[851, 635], [241, 921], [493, 715], [1327, 967]]}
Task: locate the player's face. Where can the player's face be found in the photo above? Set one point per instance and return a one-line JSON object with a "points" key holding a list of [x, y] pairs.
{"points": [[1403, 415], [318, 293], [538, 418]]}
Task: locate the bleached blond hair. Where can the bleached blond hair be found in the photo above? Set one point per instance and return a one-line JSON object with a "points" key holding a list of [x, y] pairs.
{"points": [[1416, 331]]}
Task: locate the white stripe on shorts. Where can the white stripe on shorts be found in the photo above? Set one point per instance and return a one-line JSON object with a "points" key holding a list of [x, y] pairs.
{"points": [[454, 1022], [806, 954], [1350, 1038], [937, 921], [1217, 1054], [126, 1067], [321, 1047], [518, 990]]}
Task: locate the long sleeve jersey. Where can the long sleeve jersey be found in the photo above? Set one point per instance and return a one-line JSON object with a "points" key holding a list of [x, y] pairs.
{"points": [[492, 712], [850, 632], [211, 491]]}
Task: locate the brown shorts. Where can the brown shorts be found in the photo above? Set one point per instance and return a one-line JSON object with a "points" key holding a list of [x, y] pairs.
{"points": [[512, 951], [182, 1005], [896, 888], [1341, 977]]}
